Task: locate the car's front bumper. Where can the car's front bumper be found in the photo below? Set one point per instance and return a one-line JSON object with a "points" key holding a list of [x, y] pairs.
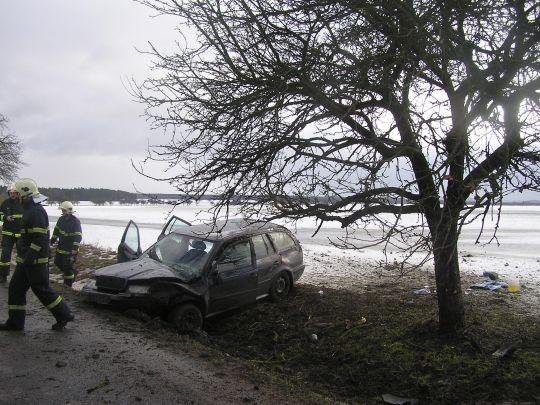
{"points": [[92, 294]]}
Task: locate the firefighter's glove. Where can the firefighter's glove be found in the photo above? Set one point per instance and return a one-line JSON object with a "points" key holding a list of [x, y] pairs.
{"points": [[53, 240]]}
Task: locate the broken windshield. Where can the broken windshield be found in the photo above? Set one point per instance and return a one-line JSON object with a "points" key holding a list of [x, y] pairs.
{"points": [[185, 254]]}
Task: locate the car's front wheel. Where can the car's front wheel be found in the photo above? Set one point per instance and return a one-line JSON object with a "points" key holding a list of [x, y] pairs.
{"points": [[186, 318], [280, 287]]}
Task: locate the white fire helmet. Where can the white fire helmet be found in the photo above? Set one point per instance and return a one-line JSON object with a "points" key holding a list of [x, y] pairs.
{"points": [[66, 206], [26, 188]]}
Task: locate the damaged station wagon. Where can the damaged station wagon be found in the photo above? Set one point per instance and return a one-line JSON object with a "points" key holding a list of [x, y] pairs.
{"points": [[195, 271]]}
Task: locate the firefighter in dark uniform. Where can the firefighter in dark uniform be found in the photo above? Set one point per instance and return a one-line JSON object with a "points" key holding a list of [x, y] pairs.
{"points": [[11, 215], [68, 233], [32, 269]]}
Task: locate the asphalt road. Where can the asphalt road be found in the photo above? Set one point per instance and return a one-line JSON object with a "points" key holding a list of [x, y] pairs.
{"points": [[106, 357]]}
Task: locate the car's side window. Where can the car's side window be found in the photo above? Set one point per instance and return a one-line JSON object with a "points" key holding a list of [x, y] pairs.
{"points": [[282, 241], [235, 256], [262, 246]]}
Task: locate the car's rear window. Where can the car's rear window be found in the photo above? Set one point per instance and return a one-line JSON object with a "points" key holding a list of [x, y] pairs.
{"points": [[282, 241], [262, 246]]}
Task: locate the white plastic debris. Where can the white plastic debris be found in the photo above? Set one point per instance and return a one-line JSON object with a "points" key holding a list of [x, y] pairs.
{"points": [[422, 291], [395, 400]]}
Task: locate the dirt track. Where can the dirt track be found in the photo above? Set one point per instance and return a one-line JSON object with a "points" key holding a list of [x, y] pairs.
{"points": [[106, 357]]}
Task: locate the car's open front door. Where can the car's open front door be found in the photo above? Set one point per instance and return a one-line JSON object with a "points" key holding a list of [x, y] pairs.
{"points": [[172, 225], [130, 245]]}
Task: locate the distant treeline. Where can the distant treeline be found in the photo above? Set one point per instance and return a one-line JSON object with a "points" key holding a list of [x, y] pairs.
{"points": [[100, 196], [96, 195]]}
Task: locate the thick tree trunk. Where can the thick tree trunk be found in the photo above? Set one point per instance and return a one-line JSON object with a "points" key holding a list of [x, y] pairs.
{"points": [[449, 295]]}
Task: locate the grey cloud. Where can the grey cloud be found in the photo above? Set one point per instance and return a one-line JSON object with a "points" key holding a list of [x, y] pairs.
{"points": [[62, 77]]}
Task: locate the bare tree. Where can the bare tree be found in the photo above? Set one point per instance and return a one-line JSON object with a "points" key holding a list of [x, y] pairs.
{"points": [[354, 111], [10, 152]]}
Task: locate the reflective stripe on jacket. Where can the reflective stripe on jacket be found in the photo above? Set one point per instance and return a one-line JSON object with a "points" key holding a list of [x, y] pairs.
{"points": [[69, 234], [33, 245], [11, 208]]}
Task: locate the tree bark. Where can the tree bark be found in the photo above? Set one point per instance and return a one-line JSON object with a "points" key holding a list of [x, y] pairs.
{"points": [[449, 295]]}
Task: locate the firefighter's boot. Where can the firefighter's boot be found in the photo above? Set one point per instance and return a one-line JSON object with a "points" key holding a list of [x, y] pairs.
{"points": [[61, 323], [8, 326]]}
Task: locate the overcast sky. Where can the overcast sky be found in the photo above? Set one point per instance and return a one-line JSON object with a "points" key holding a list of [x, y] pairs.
{"points": [[62, 68], [62, 72]]}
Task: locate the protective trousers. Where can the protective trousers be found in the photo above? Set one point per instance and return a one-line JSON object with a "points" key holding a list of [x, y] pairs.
{"points": [[5, 258], [35, 277], [65, 263]]}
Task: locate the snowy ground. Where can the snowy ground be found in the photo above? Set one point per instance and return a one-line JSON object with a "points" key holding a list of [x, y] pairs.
{"points": [[516, 255]]}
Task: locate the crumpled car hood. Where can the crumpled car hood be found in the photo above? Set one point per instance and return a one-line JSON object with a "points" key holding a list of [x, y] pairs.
{"points": [[140, 269]]}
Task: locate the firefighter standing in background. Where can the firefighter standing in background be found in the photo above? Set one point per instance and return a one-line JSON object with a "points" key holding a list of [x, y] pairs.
{"points": [[69, 234], [11, 215], [32, 269]]}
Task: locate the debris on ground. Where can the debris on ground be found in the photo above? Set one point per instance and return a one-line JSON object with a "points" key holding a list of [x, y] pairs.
{"points": [[394, 400], [491, 285], [504, 351], [514, 285], [492, 275], [422, 291]]}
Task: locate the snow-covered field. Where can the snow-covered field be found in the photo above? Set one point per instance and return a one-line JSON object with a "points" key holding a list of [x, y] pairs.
{"points": [[517, 254]]}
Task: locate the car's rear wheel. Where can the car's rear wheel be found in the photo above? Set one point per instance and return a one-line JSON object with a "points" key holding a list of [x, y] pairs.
{"points": [[281, 287], [186, 318]]}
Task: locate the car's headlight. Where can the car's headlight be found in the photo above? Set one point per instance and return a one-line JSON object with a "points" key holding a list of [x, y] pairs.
{"points": [[138, 289]]}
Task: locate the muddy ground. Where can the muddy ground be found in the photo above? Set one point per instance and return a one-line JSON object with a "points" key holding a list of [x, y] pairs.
{"points": [[110, 357], [325, 344]]}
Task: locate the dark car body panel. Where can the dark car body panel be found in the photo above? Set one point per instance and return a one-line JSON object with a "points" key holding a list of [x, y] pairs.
{"points": [[141, 269], [155, 286]]}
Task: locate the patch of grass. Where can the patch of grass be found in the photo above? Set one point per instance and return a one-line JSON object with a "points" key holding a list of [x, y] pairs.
{"points": [[382, 340], [397, 349], [89, 259]]}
